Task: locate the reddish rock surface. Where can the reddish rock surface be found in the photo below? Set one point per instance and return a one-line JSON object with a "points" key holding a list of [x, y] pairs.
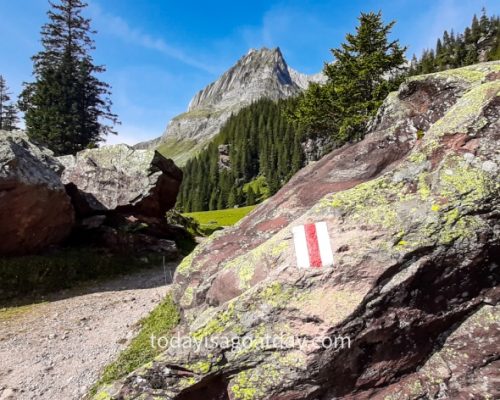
{"points": [[35, 211], [413, 219]]}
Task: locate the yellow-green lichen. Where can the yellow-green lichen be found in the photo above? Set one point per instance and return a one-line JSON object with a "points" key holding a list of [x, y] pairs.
{"points": [[217, 324], [276, 295], [200, 367], [254, 383], [187, 297], [255, 342], [473, 73], [102, 395], [185, 265], [470, 74], [243, 388], [462, 182], [423, 187], [465, 112], [417, 157], [184, 383], [416, 388], [369, 202], [244, 265]]}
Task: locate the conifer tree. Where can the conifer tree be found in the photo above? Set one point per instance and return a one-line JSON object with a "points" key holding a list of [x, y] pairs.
{"points": [[10, 118], [8, 111], [232, 199], [250, 196], [362, 75], [263, 145], [479, 42], [4, 98], [66, 106]]}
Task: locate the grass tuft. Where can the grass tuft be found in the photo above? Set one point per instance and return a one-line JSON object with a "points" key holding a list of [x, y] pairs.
{"points": [[159, 323]]}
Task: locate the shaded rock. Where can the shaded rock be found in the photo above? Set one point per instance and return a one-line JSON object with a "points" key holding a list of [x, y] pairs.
{"points": [[121, 196], [137, 243], [139, 182], [35, 211], [411, 302], [224, 158]]}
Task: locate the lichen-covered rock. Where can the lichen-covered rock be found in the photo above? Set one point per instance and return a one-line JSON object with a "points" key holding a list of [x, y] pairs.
{"points": [[35, 211], [413, 215], [120, 178]]}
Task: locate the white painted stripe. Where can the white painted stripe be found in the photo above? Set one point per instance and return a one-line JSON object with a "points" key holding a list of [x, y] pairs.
{"points": [[299, 239], [325, 250]]}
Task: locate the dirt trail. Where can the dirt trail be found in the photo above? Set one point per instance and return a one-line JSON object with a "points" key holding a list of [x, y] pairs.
{"points": [[55, 350]]}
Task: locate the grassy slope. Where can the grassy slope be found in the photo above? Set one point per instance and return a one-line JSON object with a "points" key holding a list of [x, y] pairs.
{"points": [[219, 218], [179, 150]]}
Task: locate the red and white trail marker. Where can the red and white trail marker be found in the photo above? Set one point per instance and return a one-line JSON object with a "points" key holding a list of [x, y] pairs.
{"points": [[312, 245]]}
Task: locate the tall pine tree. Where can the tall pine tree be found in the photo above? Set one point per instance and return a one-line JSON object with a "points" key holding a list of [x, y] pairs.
{"points": [[67, 106]]}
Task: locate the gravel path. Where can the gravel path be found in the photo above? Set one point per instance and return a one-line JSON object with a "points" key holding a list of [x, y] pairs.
{"points": [[55, 350]]}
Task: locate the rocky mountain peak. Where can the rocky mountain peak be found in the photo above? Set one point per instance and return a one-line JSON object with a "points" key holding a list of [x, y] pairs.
{"points": [[259, 72]]}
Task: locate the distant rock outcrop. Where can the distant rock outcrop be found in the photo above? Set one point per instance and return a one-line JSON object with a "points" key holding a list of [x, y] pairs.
{"points": [[413, 217], [35, 211], [259, 74]]}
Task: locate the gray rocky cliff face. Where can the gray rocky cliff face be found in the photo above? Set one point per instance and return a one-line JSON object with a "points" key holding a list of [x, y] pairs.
{"points": [[259, 74]]}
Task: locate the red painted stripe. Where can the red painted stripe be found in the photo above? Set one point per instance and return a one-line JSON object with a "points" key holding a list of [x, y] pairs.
{"points": [[313, 245]]}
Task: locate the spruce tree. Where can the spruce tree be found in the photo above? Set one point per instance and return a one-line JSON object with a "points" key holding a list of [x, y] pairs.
{"points": [[10, 118], [4, 98], [365, 70], [67, 103], [479, 42], [8, 111], [250, 196], [232, 199]]}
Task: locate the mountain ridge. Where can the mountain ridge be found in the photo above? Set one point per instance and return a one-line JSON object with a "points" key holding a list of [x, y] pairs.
{"points": [[261, 73]]}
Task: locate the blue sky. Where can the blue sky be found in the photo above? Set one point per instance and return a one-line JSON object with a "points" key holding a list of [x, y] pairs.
{"points": [[159, 53]]}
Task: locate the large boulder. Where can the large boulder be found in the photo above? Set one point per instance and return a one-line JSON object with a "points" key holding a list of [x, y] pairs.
{"points": [[121, 196], [413, 217], [35, 210], [120, 178]]}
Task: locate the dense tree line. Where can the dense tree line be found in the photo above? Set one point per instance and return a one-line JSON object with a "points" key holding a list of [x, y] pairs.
{"points": [[8, 110], [265, 139], [66, 104], [479, 42], [263, 146]]}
